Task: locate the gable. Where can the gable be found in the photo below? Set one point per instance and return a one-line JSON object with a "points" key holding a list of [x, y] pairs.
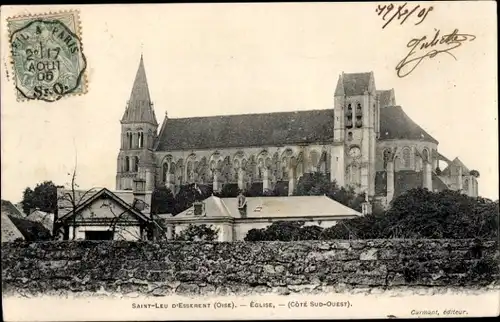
{"points": [[103, 204], [105, 208]]}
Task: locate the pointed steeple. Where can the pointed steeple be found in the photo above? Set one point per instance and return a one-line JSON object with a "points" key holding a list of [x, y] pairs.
{"points": [[139, 108]]}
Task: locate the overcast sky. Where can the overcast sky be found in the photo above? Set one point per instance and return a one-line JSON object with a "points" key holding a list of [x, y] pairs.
{"points": [[209, 59]]}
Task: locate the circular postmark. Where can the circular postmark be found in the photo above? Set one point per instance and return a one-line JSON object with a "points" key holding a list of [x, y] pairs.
{"points": [[48, 60]]}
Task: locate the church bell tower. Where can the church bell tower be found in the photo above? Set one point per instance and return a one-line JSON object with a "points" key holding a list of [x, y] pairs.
{"points": [[355, 126], [138, 134]]}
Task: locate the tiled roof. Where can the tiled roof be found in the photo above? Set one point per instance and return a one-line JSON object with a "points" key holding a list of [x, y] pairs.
{"points": [[9, 230], [455, 163], [139, 107], [275, 207], [11, 210], [31, 230], [386, 98], [274, 129], [353, 84], [269, 129], [395, 124], [45, 218]]}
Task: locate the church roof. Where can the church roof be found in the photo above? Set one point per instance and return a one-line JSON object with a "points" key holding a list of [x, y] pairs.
{"points": [[455, 163], [139, 107], [267, 129], [386, 98], [395, 124], [271, 129], [353, 84]]}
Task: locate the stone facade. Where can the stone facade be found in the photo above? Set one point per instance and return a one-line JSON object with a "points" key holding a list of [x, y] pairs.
{"points": [[364, 141], [208, 268]]}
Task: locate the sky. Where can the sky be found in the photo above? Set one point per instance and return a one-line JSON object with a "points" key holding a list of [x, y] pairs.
{"points": [[213, 59]]}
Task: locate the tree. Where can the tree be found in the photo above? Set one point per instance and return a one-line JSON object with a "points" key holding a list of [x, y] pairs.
{"points": [[188, 194], [317, 184], [420, 213], [198, 233], [162, 201], [285, 231], [416, 214], [75, 197], [43, 197]]}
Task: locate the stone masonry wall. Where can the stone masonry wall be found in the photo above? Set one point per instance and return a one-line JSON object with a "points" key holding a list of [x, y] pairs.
{"points": [[212, 268]]}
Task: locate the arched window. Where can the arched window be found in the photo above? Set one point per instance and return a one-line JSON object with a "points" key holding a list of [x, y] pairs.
{"points": [[406, 158], [354, 175], [190, 170], [466, 185], [141, 139], [387, 156], [314, 158], [359, 115], [126, 164], [129, 139], [136, 164], [348, 116], [165, 171], [425, 155], [349, 136]]}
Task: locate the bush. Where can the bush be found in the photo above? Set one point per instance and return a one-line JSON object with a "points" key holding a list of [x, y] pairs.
{"points": [[200, 232]]}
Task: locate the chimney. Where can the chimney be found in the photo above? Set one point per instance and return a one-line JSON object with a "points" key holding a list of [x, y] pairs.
{"points": [[139, 190], [198, 208], [242, 205]]}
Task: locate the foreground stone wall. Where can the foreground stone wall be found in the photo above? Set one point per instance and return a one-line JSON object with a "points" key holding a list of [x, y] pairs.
{"points": [[210, 268]]}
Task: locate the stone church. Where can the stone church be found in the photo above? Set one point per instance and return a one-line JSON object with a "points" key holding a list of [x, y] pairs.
{"points": [[365, 141]]}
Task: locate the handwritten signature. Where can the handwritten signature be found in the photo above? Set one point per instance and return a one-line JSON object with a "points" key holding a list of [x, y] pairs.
{"points": [[417, 45], [402, 12]]}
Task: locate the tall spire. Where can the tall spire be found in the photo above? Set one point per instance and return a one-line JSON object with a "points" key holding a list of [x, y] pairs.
{"points": [[139, 108]]}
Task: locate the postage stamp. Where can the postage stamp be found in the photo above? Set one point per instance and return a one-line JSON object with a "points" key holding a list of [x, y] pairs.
{"points": [[47, 56]]}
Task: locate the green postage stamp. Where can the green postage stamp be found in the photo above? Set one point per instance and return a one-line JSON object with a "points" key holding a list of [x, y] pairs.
{"points": [[47, 56]]}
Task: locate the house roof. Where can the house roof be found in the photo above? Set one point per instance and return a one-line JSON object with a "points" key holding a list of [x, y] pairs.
{"points": [[395, 124], [353, 84], [10, 209], [274, 207], [45, 218], [31, 230], [66, 208], [268, 129], [9, 230], [139, 108]]}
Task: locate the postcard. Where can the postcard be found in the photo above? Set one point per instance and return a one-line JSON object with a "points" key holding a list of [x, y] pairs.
{"points": [[249, 161]]}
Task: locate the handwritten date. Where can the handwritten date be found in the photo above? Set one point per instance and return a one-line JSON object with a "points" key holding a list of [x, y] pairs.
{"points": [[390, 12], [438, 44]]}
